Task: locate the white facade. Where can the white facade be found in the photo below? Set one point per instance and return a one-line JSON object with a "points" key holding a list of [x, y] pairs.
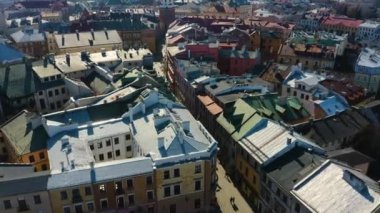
{"points": [[368, 31], [26, 202], [112, 147], [367, 70]]}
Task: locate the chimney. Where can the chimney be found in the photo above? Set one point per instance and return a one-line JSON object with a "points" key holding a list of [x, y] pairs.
{"points": [[186, 126], [143, 108], [45, 61], [188, 54], [92, 34], [72, 164], [63, 40], [288, 141], [130, 109], [105, 32], [77, 32], [62, 166], [68, 59], [161, 142]]}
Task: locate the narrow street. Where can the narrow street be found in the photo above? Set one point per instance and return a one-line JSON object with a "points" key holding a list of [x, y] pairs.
{"points": [[225, 191]]}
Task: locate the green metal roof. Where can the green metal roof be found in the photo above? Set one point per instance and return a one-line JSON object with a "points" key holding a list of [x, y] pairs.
{"points": [[21, 135], [239, 119], [288, 109], [17, 81]]}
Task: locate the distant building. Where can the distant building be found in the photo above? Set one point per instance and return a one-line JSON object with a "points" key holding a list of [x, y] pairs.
{"points": [[341, 25], [30, 41], [367, 70], [353, 190], [92, 41], [106, 152], [317, 99]]}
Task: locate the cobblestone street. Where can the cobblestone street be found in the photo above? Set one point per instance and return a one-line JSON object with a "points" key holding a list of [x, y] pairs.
{"points": [[225, 191]]}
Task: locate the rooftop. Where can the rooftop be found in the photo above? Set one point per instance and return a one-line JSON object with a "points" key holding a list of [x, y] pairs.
{"points": [[338, 127], [85, 39], [28, 35], [23, 135], [43, 71], [9, 54], [17, 81], [342, 21], [343, 189], [369, 58], [293, 166], [70, 62]]}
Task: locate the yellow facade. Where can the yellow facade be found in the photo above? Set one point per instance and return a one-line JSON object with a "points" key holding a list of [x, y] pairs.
{"points": [[40, 157], [249, 175], [57, 204]]}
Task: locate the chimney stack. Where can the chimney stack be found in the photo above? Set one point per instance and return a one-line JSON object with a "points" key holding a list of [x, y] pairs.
{"points": [[130, 109], [68, 59], [63, 40], [45, 61], [288, 141], [161, 143], [105, 32], [77, 32], [92, 34]]}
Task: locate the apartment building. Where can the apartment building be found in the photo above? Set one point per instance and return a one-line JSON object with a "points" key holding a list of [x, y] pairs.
{"points": [[25, 141], [91, 41], [30, 41], [367, 70], [143, 153]]}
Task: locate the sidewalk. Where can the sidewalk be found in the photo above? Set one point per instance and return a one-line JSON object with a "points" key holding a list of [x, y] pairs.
{"points": [[225, 191]]}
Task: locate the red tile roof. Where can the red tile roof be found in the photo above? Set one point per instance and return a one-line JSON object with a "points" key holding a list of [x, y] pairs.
{"points": [[342, 21]]}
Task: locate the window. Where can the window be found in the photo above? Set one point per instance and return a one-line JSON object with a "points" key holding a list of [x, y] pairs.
{"points": [[167, 191], [52, 78], [294, 93], [92, 146], [254, 179], [176, 173], [127, 137], [31, 159], [150, 209], [131, 199], [109, 155], [44, 167], [116, 140], [63, 195], [197, 185], [40, 93], [102, 188], [166, 174], [50, 93], [56, 92], [288, 90], [42, 155], [100, 145], [104, 204], [118, 186], [129, 148], [177, 189], [108, 142], [149, 180], [130, 183], [58, 103], [90, 207], [78, 208], [173, 208], [297, 207], [66, 209], [87, 190], [7, 204], [197, 203], [198, 169], [246, 171], [302, 95], [149, 195], [52, 106], [101, 157], [42, 104], [117, 153], [63, 90], [307, 97]]}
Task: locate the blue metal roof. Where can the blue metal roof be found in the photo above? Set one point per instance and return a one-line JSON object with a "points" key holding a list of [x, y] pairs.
{"points": [[9, 54]]}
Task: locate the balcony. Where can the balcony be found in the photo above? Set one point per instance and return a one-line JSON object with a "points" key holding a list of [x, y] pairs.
{"points": [[119, 191], [77, 199], [23, 208]]}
